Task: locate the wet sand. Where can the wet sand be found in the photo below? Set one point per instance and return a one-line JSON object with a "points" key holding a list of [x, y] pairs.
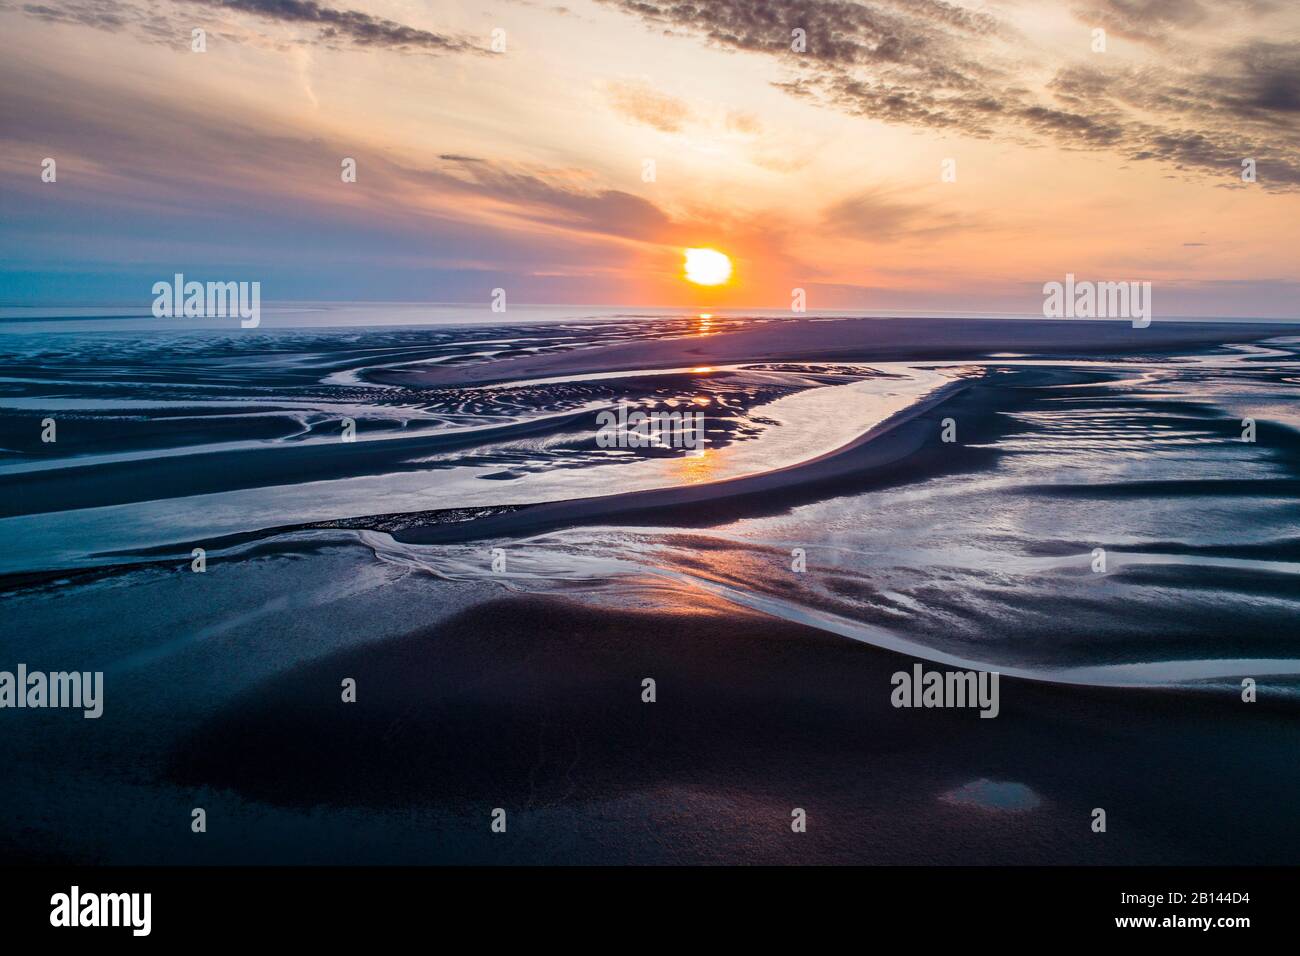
{"points": [[533, 704], [877, 340], [225, 686]]}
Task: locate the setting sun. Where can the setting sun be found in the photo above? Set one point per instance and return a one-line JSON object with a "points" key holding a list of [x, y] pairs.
{"points": [[707, 267]]}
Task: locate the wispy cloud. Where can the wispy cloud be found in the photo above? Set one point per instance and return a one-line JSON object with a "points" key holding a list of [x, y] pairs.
{"points": [[879, 215], [638, 101]]}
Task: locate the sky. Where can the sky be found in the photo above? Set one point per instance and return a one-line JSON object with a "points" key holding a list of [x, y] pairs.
{"points": [[914, 155]]}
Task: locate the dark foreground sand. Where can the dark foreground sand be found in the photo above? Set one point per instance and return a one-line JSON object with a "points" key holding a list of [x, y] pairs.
{"points": [[533, 704]]}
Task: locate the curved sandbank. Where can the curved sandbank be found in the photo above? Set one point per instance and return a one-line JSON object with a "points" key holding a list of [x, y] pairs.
{"points": [[881, 445]]}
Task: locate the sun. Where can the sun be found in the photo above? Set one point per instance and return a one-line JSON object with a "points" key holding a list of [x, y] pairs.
{"points": [[707, 266]]}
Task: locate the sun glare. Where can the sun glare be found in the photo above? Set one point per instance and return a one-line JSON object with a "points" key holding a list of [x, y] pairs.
{"points": [[707, 267]]}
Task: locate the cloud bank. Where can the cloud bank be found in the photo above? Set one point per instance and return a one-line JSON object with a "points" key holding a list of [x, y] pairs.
{"points": [[1193, 100]]}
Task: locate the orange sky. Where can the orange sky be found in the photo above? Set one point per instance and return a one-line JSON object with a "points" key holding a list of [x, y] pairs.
{"points": [[528, 167]]}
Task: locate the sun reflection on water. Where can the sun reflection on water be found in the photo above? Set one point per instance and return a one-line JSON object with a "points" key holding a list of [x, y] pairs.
{"points": [[695, 466]]}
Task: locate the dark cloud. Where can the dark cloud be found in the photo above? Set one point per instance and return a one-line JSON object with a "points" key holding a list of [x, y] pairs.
{"points": [[1241, 104], [1091, 130], [1162, 23], [332, 26], [837, 31], [1261, 78], [1146, 21], [932, 64], [352, 25]]}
